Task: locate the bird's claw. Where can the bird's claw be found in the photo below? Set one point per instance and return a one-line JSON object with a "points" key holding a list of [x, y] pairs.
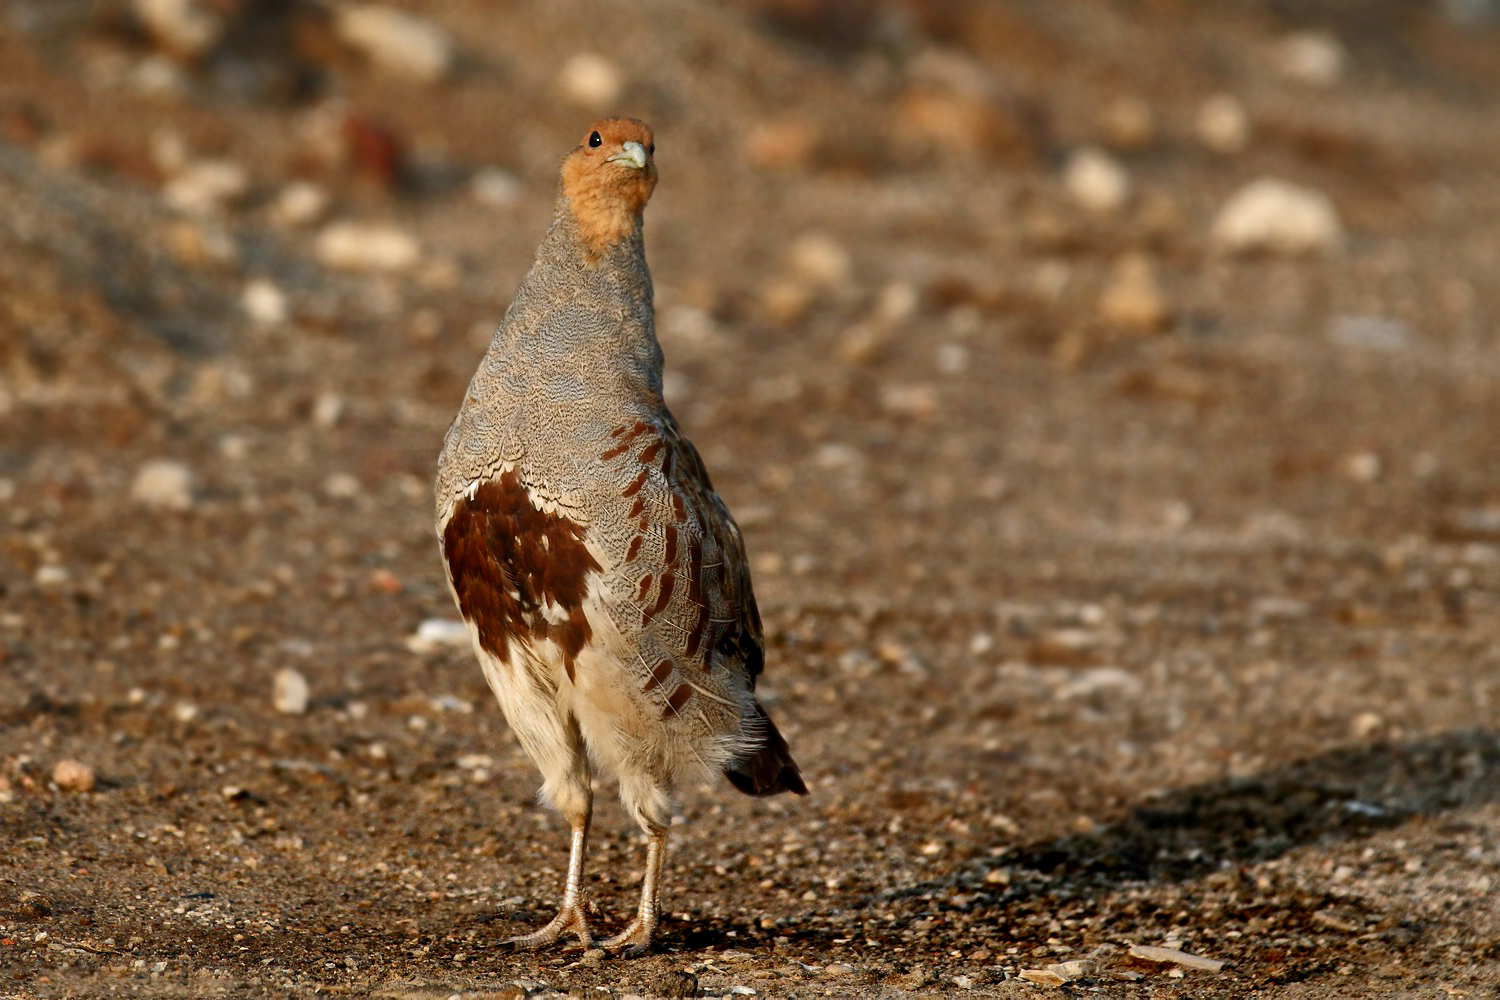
{"points": [[570, 918]]}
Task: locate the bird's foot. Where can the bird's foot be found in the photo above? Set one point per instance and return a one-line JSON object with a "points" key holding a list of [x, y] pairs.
{"points": [[570, 918], [634, 940]]}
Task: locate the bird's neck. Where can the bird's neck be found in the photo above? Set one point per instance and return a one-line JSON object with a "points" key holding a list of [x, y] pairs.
{"points": [[602, 218]]}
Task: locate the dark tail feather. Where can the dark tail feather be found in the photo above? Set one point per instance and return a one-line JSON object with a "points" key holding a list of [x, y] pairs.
{"points": [[770, 770]]}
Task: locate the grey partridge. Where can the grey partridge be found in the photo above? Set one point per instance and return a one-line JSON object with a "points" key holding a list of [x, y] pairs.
{"points": [[603, 581]]}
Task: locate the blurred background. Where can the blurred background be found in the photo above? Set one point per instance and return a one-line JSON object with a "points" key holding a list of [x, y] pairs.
{"points": [[1108, 391]]}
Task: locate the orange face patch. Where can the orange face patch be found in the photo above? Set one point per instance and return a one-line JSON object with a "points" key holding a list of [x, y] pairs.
{"points": [[608, 179]]}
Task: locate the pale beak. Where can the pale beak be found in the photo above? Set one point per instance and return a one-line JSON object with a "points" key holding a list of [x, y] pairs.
{"points": [[633, 155]]}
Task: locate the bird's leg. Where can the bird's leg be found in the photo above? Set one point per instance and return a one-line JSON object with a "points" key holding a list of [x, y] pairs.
{"points": [[573, 915], [636, 937]]}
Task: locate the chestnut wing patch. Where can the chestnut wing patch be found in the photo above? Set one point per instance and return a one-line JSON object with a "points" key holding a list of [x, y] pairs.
{"points": [[509, 561]]}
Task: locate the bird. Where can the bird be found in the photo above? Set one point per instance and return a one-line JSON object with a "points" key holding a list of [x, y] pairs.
{"points": [[603, 581]]}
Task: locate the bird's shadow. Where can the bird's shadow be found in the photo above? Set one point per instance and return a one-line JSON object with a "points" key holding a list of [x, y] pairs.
{"points": [[1186, 833]]}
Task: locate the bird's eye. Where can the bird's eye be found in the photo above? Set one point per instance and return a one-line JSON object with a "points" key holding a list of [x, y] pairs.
{"points": [[651, 149], [595, 140]]}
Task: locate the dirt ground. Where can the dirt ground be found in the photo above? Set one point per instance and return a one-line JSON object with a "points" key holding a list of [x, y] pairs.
{"points": [[1120, 590]]}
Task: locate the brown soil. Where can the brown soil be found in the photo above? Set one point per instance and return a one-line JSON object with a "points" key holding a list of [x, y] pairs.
{"points": [[1086, 635]]}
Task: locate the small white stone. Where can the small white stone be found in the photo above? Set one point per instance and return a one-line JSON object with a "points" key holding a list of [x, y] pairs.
{"points": [[395, 41], [184, 711], [1274, 216], [359, 246], [1362, 466], [436, 633], [1096, 180], [590, 80], [1133, 297], [299, 204], [327, 409], [1223, 125], [188, 27], [342, 486], [289, 692], [495, 187], [1312, 57], [163, 484], [820, 261], [50, 576], [73, 776], [263, 302], [207, 186]]}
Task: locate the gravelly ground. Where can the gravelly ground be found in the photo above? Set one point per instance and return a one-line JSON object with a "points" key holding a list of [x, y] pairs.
{"points": [[1087, 635]]}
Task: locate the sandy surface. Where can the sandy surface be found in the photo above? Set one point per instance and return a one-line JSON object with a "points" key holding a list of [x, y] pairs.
{"points": [[1102, 611]]}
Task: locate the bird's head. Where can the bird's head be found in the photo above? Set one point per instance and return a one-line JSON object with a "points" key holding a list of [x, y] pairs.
{"points": [[608, 179]]}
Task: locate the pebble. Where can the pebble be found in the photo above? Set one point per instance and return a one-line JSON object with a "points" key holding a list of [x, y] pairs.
{"points": [[1096, 181], [435, 633], [783, 144], [1274, 216], [1043, 977], [1362, 466], [1371, 333], [495, 188], [366, 246], [1222, 125], [327, 409], [188, 27], [820, 261], [1129, 123], [163, 484], [299, 204], [1133, 298], [1311, 57], [590, 80], [289, 692], [263, 302], [395, 41], [207, 187], [1152, 953], [1365, 725], [73, 776], [50, 576]]}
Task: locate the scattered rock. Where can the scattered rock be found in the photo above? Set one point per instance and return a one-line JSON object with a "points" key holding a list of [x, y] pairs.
{"points": [[327, 409], [1133, 298], [1174, 956], [365, 246], [1043, 977], [289, 692], [73, 776], [263, 302], [396, 41], [163, 484], [783, 144], [1223, 126], [50, 576], [1311, 57], [590, 81], [672, 983], [1361, 466], [1096, 181], [436, 633], [299, 204], [1371, 333], [207, 187], [1274, 216], [820, 261], [495, 187], [1365, 724], [189, 28], [1129, 123]]}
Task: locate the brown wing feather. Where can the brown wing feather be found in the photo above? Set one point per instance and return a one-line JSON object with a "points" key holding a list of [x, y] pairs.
{"points": [[704, 609]]}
